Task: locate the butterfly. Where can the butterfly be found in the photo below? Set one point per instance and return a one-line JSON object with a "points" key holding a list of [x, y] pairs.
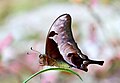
{"points": [[62, 48]]}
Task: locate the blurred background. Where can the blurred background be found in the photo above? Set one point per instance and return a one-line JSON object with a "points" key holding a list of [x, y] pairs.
{"points": [[25, 23]]}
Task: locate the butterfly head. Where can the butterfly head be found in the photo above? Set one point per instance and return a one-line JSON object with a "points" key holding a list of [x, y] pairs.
{"points": [[42, 60]]}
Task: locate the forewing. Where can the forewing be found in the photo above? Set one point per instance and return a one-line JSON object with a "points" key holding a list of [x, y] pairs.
{"points": [[60, 42]]}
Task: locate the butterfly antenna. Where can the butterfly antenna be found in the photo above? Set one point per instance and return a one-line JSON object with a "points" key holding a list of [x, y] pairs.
{"points": [[35, 50]]}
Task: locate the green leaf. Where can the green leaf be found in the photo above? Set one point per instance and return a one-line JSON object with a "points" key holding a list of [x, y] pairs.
{"points": [[60, 69]]}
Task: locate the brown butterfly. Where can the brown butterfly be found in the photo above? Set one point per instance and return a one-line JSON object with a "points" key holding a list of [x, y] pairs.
{"points": [[61, 46]]}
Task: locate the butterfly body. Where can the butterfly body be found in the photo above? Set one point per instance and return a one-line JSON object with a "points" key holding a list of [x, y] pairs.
{"points": [[61, 46]]}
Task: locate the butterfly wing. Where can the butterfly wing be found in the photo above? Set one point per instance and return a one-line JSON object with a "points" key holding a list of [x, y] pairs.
{"points": [[52, 49], [61, 46]]}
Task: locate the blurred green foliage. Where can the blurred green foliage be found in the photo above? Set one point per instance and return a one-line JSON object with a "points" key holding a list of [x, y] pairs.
{"points": [[12, 6]]}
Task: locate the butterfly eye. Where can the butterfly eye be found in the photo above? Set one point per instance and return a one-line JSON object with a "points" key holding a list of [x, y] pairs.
{"points": [[41, 55]]}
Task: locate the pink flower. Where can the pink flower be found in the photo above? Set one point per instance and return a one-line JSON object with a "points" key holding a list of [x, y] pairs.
{"points": [[92, 33], [6, 41], [32, 60], [93, 3], [15, 67]]}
